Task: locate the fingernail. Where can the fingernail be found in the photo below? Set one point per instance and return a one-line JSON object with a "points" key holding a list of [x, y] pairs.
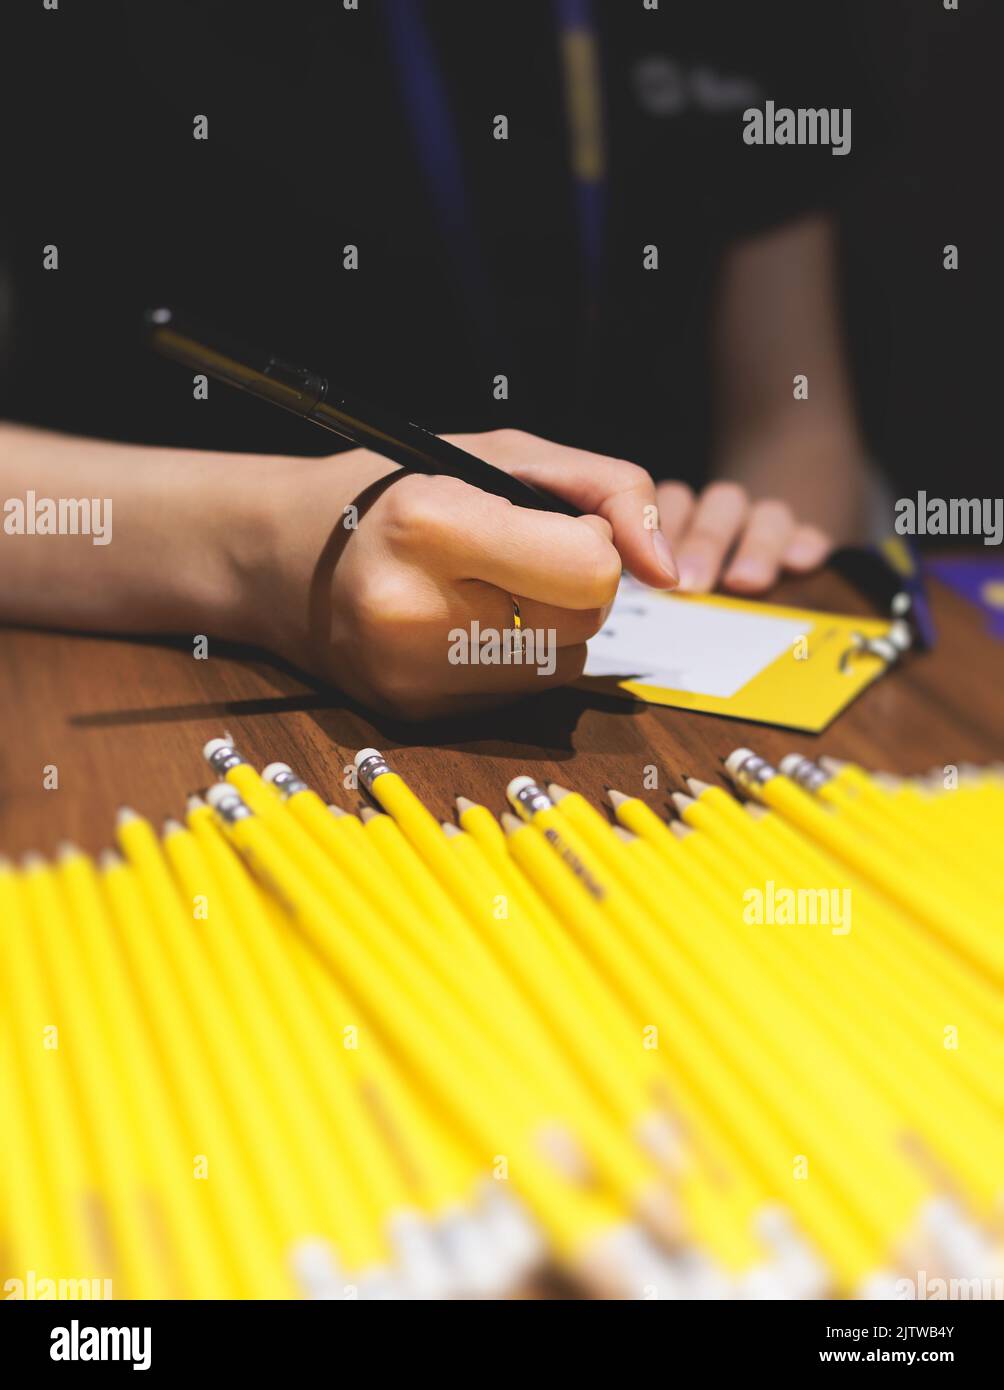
{"points": [[807, 552], [664, 556], [694, 576], [747, 572]]}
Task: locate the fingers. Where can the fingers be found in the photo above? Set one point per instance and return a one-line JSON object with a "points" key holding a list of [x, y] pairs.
{"points": [[807, 548], [751, 542], [676, 506], [760, 553], [620, 492], [714, 526], [457, 532], [771, 543]]}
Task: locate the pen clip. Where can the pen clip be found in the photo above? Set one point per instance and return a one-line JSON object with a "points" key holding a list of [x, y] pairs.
{"points": [[309, 386]]}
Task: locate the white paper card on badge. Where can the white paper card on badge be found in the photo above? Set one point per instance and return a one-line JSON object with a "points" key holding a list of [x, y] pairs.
{"points": [[669, 642]]}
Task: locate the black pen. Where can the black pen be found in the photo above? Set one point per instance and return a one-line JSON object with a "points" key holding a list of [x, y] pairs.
{"points": [[312, 396]]}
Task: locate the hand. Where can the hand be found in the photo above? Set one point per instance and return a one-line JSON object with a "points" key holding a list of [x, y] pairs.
{"points": [[724, 537], [374, 608]]}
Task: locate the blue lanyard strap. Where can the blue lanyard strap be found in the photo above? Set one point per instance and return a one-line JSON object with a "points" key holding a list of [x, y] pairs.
{"points": [[434, 132], [580, 61]]}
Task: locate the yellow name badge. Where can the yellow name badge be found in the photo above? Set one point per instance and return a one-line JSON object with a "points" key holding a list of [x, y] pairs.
{"points": [[756, 661]]}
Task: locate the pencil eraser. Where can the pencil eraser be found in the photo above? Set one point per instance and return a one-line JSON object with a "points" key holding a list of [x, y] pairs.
{"points": [[736, 759], [365, 753], [214, 745], [517, 784], [218, 793], [270, 773], [790, 763]]}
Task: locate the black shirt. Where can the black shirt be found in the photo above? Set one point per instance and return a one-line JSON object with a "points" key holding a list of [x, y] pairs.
{"points": [[312, 147]]}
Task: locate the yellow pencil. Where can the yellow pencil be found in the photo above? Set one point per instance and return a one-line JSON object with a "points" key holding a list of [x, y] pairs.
{"points": [[191, 1230], [251, 1239], [577, 1223], [707, 1081], [330, 1207], [368, 1186], [69, 1180], [423, 964], [602, 1065], [29, 1238], [105, 1118], [918, 854], [604, 1005], [930, 906], [781, 1037], [884, 1056], [514, 981]]}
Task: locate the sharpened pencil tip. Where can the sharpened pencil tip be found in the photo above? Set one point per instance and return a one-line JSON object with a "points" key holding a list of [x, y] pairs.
{"points": [[697, 786], [557, 792], [450, 830], [679, 829], [32, 860], [681, 801], [337, 811], [464, 803], [367, 814], [109, 859], [616, 798], [195, 802], [172, 826], [125, 814], [66, 849], [510, 822]]}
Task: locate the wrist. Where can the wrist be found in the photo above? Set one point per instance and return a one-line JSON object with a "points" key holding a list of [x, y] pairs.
{"points": [[282, 536]]}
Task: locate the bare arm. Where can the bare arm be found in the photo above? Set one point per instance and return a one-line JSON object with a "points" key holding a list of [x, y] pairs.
{"points": [[170, 534], [326, 563], [792, 478], [777, 317]]}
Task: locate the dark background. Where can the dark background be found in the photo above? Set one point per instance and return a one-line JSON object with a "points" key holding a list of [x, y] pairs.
{"points": [[80, 168]]}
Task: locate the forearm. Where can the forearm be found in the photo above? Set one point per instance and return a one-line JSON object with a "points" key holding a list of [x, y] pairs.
{"points": [[171, 537], [823, 475]]}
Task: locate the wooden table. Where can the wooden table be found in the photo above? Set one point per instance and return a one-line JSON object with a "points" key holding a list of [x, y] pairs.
{"points": [[124, 722]]}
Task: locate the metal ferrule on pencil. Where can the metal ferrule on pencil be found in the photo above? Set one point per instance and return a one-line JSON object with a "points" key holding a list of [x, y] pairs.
{"points": [[528, 799], [371, 767], [227, 804], [809, 775], [750, 772], [287, 783], [222, 757]]}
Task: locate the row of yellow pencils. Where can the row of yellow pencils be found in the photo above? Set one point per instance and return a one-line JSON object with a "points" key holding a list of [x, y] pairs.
{"points": [[281, 1050]]}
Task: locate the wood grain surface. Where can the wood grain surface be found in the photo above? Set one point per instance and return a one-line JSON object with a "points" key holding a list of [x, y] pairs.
{"points": [[124, 722]]}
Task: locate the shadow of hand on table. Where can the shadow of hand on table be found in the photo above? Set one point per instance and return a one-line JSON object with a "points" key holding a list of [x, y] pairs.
{"points": [[546, 722]]}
